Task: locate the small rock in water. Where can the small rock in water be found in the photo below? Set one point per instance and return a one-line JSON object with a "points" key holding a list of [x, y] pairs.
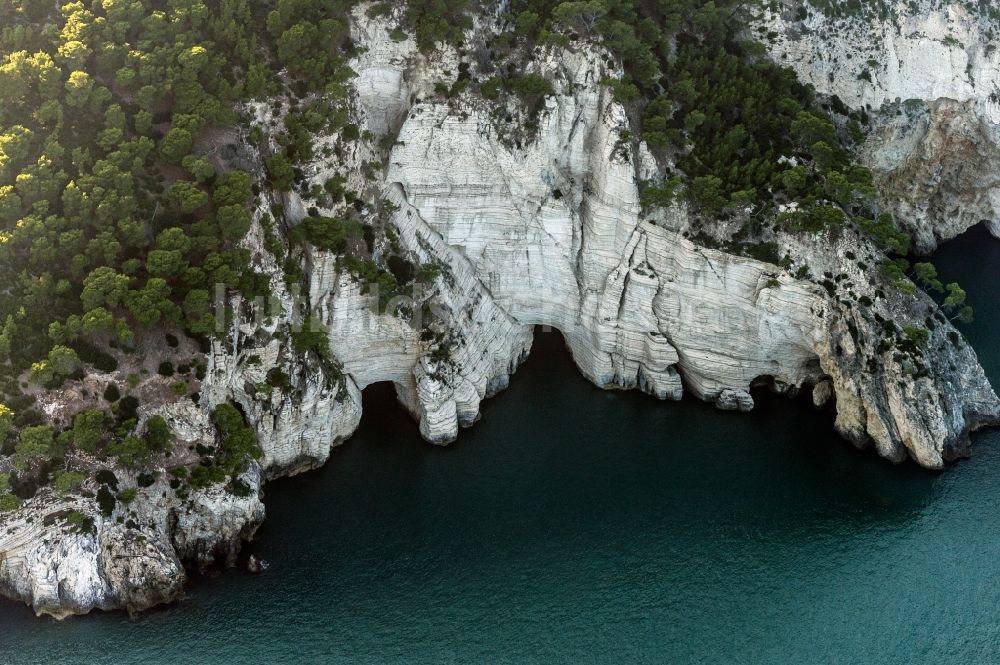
{"points": [[734, 400], [255, 565]]}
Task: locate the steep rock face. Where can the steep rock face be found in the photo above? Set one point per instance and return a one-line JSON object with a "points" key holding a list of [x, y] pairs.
{"points": [[297, 423], [929, 75], [920, 405], [61, 567], [535, 230], [545, 225], [940, 163], [482, 345], [65, 557], [551, 226], [60, 570]]}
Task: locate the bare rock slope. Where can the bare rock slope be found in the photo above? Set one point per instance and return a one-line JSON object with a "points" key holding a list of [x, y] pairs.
{"points": [[928, 73]]}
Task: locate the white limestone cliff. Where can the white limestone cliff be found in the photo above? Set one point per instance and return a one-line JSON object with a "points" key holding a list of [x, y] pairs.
{"points": [[549, 231], [929, 76], [62, 557], [530, 230], [551, 227]]}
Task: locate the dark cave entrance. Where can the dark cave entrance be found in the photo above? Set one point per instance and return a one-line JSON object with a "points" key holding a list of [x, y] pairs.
{"points": [[549, 339], [381, 409]]}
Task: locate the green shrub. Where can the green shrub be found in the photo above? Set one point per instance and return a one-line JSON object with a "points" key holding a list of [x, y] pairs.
{"points": [[88, 429], [90, 354], [28, 417], [237, 487], [132, 452], [6, 422], [157, 433], [127, 408], [204, 476], [531, 86], [106, 500], [69, 481], [80, 522], [112, 393], [277, 378], [491, 87], [311, 336], [107, 477], [326, 232], [36, 443], [238, 441]]}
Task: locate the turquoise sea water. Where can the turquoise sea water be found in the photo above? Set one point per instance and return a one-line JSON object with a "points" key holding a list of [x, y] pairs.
{"points": [[577, 525]]}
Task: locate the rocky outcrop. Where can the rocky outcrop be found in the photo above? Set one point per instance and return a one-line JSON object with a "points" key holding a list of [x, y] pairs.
{"points": [[734, 400], [442, 384], [938, 163], [544, 229], [928, 74], [552, 228], [63, 558], [63, 569]]}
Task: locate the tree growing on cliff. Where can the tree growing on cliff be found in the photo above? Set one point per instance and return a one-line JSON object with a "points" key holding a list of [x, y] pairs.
{"points": [[916, 335], [131, 452], [60, 363], [582, 15], [434, 21], [280, 172], [886, 233], [68, 481], [157, 433], [954, 303], [927, 276], [311, 336], [88, 429], [238, 442], [35, 444], [894, 272], [6, 422]]}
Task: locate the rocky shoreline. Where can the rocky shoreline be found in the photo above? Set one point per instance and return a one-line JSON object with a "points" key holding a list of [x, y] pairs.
{"points": [[550, 231]]}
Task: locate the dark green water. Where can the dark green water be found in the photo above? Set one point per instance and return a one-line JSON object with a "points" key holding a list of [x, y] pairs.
{"points": [[578, 525]]}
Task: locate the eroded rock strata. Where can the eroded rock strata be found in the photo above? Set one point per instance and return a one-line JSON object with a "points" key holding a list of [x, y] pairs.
{"points": [[929, 76], [547, 229]]}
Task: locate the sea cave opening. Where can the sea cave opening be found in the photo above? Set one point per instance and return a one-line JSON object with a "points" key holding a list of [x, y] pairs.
{"points": [[383, 410]]}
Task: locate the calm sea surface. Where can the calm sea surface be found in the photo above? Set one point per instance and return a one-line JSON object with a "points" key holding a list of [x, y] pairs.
{"points": [[577, 525]]}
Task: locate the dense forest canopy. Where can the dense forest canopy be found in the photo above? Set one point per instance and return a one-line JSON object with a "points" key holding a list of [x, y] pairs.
{"points": [[115, 214]]}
